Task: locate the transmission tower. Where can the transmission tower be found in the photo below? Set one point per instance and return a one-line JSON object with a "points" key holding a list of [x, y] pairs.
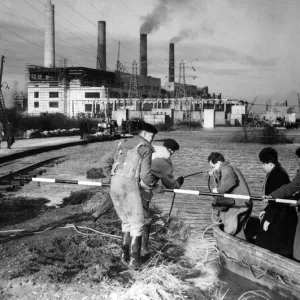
{"points": [[180, 88], [133, 87], [120, 67]]}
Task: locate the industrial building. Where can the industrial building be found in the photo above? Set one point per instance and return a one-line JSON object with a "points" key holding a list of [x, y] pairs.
{"points": [[80, 91]]}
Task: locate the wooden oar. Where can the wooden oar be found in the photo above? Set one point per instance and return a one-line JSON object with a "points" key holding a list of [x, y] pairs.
{"points": [[234, 196]]}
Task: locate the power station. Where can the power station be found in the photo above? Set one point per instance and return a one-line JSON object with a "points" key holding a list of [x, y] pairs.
{"points": [[79, 91]]}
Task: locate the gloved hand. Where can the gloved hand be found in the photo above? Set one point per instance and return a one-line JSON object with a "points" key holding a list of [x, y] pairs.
{"points": [[180, 180]]}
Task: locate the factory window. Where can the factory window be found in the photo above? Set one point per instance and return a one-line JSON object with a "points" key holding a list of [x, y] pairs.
{"points": [[36, 104], [53, 95], [92, 95], [88, 107], [36, 95], [53, 104]]}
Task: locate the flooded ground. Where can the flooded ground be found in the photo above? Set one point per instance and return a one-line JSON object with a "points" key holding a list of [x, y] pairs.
{"points": [[195, 210]]}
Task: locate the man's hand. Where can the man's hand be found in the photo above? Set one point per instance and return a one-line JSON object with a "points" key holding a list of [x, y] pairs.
{"points": [[261, 215], [144, 186], [215, 190], [210, 173], [266, 225], [266, 199], [180, 180], [158, 189]]}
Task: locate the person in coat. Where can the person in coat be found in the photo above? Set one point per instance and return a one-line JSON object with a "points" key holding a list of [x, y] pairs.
{"points": [[161, 169], [130, 171], [234, 213], [10, 133], [278, 220], [290, 191], [1, 132]]}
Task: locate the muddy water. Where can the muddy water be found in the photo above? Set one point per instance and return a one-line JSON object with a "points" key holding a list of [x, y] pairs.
{"points": [[195, 210]]}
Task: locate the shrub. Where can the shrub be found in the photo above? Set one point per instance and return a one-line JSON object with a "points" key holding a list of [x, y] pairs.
{"points": [[266, 135]]}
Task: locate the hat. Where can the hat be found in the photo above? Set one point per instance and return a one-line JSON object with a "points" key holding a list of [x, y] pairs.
{"points": [[171, 144], [149, 128]]}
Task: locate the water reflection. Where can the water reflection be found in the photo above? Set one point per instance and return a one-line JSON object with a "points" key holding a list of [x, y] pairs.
{"points": [[192, 156]]}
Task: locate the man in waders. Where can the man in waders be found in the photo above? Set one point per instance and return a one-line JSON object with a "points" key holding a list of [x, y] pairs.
{"points": [[131, 170], [161, 169], [234, 213]]}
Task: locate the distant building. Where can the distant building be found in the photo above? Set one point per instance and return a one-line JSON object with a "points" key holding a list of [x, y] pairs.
{"points": [[78, 90], [281, 110]]}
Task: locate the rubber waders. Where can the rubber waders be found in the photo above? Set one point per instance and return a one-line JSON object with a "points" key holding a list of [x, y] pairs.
{"points": [[125, 247], [135, 252]]}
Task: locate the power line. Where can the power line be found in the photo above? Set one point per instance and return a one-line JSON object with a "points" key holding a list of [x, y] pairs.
{"points": [[129, 8], [41, 26], [57, 25], [95, 25], [111, 21]]}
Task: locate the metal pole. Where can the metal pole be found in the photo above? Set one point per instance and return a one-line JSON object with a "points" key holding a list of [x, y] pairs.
{"points": [[234, 196], [1, 70]]}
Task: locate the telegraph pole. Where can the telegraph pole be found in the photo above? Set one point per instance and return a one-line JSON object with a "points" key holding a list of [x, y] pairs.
{"points": [[2, 61]]}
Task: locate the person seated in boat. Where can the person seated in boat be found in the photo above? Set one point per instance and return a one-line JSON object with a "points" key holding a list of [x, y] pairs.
{"points": [[234, 213], [278, 220], [290, 191]]}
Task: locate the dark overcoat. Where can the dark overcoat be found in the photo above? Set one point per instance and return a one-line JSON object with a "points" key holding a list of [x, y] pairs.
{"points": [[282, 217], [285, 192]]}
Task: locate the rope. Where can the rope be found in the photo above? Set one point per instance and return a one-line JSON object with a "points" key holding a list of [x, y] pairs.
{"points": [[24, 231]]}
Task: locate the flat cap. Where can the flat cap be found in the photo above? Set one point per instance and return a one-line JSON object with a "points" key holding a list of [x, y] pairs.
{"points": [[171, 144], [149, 128]]}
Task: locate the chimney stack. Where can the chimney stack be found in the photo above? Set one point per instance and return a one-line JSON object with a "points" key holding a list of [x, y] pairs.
{"points": [[143, 54], [171, 63], [49, 54], [101, 48]]}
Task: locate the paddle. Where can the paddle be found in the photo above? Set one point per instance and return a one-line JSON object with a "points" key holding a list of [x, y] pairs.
{"points": [[234, 196]]}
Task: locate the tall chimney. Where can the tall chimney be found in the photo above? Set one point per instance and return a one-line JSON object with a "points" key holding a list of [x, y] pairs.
{"points": [[101, 48], [171, 63], [143, 54], [49, 54]]}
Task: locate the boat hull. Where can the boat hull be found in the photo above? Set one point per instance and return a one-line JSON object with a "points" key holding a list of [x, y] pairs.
{"points": [[279, 274]]}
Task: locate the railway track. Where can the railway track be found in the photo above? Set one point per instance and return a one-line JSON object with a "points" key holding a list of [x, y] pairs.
{"points": [[23, 167]]}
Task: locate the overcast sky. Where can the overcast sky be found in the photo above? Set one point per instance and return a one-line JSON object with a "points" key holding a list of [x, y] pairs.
{"points": [[241, 48]]}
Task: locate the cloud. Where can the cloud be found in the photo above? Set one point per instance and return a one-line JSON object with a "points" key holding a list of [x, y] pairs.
{"points": [[215, 53]]}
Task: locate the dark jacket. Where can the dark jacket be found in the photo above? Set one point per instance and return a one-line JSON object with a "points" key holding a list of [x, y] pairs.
{"points": [[285, 192], [282, 217]]}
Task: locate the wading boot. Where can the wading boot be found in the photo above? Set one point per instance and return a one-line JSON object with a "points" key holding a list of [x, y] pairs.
{"points": [[125, 246], [145, 239], [135, 252]]}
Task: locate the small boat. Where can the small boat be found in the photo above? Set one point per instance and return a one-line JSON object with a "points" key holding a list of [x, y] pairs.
{"points": [[276, 272]]}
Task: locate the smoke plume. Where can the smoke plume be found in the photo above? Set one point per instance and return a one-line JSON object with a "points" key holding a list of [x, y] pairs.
{"points": [[161, 14], [183, 34]]}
